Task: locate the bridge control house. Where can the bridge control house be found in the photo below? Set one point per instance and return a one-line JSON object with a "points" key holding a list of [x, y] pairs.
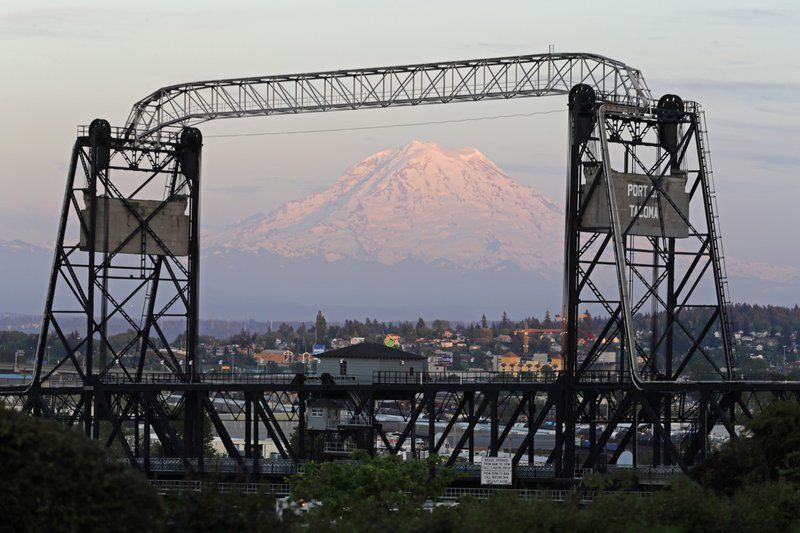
{"points": [[363, 361]]}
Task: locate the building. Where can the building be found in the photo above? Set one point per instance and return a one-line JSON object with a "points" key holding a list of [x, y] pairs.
{"points": [[508, 362], [360, 361], [278, 357]]}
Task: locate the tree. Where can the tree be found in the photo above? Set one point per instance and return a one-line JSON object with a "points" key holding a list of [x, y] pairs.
{"points": [[768, 452], [420, 327], [55, 479], [320, 329], [484, 322], [370, 493], [440, 326], [211, 509], [505, 323]]}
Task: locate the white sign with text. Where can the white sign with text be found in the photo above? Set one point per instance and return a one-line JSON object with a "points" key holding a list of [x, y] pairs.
{"points": [[496, 471]]}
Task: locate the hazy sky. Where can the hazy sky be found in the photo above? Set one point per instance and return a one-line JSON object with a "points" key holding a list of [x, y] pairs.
{"points": [[65, 63]]}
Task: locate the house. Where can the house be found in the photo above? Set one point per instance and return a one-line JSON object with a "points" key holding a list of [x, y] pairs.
{"points": [[272, 356], [362, 361], [507, 362]]}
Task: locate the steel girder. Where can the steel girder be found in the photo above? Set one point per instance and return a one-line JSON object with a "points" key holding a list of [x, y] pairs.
{"points": [[405, 85], [146, 423]]}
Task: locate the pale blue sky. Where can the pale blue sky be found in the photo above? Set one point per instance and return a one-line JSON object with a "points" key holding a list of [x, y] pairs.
{"points": [[65, 63]]}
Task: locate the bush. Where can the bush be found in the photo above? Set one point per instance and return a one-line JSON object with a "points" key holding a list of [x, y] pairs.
{"points": [[54, 478]]}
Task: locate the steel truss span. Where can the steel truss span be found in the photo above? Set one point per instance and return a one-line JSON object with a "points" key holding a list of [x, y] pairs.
{"points": [[642, 236], [406, 85]]}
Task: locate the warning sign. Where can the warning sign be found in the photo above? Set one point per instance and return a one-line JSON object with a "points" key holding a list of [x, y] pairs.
{"points": [[496, 471]]}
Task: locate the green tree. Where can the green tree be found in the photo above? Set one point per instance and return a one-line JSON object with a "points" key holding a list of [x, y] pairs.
{"points": [[55, 479], [420, 327], [320, 329], [370, 493], [768, 452], [212, 510]]}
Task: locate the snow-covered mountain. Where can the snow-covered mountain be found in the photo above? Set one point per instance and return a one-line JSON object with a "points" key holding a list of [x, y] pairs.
{"points": [[419, 230], [421, 202]]}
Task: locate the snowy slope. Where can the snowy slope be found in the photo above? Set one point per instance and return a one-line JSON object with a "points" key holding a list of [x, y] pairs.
{"points": [[421, 202]]}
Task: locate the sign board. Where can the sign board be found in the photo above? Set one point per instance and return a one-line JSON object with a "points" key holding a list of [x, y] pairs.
{"points": [[118, 228], [654, 210], [496, 471]]}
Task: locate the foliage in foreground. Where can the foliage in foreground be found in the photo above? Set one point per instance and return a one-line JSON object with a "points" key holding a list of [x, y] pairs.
{"points": [[369, 493], [55, 479]]}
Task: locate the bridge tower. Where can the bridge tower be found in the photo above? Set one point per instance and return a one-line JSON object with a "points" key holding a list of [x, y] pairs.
{"points": [[643, 255]]}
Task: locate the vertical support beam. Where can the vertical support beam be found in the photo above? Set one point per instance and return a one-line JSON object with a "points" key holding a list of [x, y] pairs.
{"points": [[147, 415], [657, 436], [413, 423], [431, 408], [371, 418], [301, 426], [99, 157], [191, 143], [668, 400], [248, 424], [592, 419], [671, 304], [255, 452], [470, 416], [635, 432], [558, 446], [494, 422], [189, 417], [654, 314], [703, 414], [199, 430], [531, 428], [581, 124], [137, 434]]}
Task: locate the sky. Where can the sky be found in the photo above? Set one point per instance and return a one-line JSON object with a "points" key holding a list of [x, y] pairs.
{"points": [[66, 63]]}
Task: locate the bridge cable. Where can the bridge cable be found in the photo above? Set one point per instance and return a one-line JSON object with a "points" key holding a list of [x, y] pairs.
{"points": [[386, 126]]}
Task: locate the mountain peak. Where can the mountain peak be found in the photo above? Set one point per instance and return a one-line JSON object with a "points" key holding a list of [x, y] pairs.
{"points": [[418, 147], [422, 202]]}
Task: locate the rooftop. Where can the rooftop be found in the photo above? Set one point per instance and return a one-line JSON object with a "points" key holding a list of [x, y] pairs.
{"points": [[369, 350]]}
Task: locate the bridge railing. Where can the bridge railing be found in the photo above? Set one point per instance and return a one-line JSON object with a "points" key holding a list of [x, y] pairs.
{"points": [[379, 377], [389, 377]]}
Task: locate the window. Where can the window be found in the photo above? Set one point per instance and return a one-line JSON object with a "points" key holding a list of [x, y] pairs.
{"points": [[342, 368], [316, 412]]}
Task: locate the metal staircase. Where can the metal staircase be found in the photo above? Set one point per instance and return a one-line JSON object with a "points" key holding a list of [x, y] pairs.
{"points": [[714, 235]]}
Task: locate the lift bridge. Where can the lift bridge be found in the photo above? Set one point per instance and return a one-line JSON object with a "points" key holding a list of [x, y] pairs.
{"points": [[642, 250]]}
